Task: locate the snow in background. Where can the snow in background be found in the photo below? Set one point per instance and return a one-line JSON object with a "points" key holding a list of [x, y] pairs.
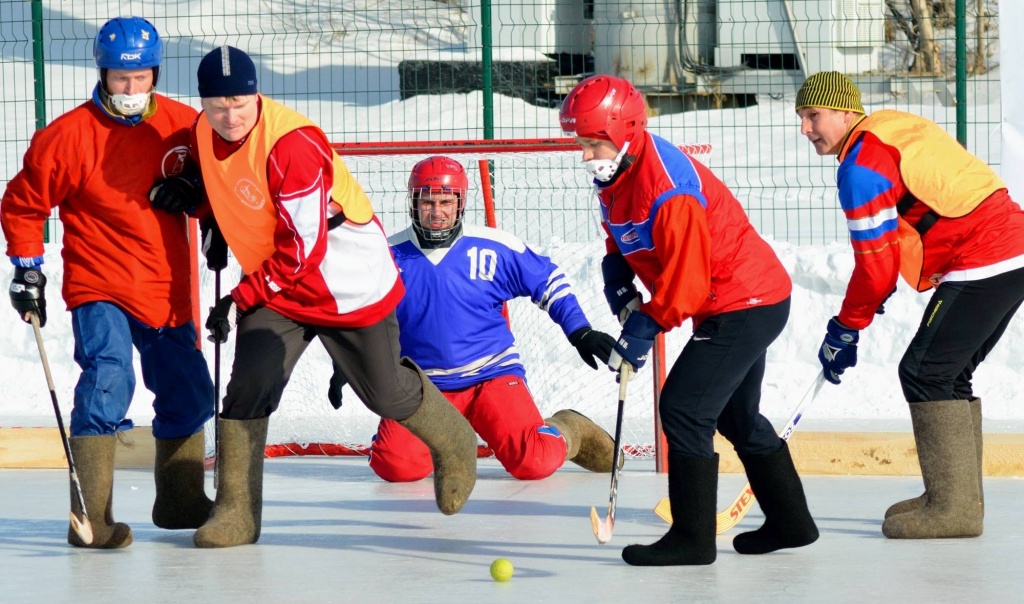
{"points": [[869, 397]]}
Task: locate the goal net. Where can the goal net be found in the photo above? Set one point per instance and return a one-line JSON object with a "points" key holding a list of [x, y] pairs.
{"points": [[536, 190]]}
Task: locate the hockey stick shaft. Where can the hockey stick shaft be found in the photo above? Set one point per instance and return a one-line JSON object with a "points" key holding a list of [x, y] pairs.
{"points": [[603, 528], [216, 391], [81, 526], [731, 515]]}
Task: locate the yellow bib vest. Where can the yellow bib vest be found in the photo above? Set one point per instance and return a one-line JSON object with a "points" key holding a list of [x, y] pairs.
{"points": [[937, 172], [238, 190]]}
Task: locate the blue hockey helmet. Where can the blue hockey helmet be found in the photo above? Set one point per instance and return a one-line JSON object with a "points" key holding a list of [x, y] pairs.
{"points": [[128, 43]]}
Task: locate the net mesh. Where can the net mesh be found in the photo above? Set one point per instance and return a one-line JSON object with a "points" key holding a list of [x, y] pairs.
{"points": [[541, 195]]}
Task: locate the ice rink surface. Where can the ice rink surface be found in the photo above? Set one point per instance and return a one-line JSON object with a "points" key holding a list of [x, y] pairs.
{"points": [[333, 532]]}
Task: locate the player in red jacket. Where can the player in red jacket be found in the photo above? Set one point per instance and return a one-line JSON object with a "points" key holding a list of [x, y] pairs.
{"points": [[919, 205], [127, 275], [671, 223]]}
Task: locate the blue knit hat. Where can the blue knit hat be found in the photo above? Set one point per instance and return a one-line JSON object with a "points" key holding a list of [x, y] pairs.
{"points": [[226, 71]]}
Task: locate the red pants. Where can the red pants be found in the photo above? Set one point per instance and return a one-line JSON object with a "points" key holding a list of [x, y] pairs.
{"points": [[502, 412]]}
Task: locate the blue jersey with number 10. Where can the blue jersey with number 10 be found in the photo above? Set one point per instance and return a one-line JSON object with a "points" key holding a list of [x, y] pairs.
{"points": [[450, 318]]}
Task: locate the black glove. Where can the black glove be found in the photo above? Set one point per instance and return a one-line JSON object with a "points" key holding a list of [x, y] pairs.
{"points": [[338, 380], [222, 319], [28, 293], [881, 307], [175, 194], [215, 249], [591, 343]]}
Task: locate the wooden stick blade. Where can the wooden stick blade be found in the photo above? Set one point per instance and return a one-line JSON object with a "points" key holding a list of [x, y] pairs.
{"points": [[664, 510], [603, 528], [724, 520], [82, 528]]}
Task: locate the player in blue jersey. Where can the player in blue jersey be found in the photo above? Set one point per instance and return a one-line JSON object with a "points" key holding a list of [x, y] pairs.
{"points": [[457, 279]]}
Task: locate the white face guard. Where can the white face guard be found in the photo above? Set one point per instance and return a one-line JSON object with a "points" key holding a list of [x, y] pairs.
{"points": [[130, 104], [604, 169]]}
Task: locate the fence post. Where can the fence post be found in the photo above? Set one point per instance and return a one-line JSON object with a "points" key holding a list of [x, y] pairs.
{"points": [[39, 77], [961, 71]]}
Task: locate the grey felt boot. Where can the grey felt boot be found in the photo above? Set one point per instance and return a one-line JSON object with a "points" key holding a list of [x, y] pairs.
{"points": [[908, 505], [452, 444], [238, 511], [949, 467], [179, 471], [94, 464], [588, 445]]}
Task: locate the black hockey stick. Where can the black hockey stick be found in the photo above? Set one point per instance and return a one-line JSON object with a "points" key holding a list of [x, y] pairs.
{"points": [[216, 391]]}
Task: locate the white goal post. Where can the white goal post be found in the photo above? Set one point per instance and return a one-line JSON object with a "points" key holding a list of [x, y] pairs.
{"points": [[536, 190]]}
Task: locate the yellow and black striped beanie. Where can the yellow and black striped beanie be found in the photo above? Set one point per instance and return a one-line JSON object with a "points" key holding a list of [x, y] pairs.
{"points": [[829, 89]]}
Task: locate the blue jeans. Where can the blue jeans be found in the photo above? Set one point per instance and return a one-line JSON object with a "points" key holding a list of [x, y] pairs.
{"points": [[172, 369]]}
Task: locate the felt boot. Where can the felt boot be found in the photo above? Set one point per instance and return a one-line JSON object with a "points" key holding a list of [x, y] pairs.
{"points": [[181, 501], [94, 464], [779, 492], [588, 445], [238, 511], [692, 491]]}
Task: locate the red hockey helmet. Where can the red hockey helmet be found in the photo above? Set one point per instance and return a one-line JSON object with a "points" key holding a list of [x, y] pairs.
{"points": [[437, 174], [605, 107]]}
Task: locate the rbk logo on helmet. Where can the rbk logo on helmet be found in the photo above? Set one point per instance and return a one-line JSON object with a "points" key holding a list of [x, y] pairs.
{"points": [[131, 56]]}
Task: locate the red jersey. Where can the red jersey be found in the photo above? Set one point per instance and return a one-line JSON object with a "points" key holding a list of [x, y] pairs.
{"points": [[688, 239], [98, 172]]}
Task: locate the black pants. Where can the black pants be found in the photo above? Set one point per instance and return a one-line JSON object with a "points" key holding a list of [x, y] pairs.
{"points": [[716, 384], [961, 325], [268, 345]]}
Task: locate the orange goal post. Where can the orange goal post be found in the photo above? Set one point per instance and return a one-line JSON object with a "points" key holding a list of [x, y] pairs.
{"points": [[536, 190]]}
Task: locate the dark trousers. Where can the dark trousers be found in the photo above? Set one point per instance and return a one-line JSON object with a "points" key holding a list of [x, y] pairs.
{"points": [[716, 384], [268, 345], [961, 325]]}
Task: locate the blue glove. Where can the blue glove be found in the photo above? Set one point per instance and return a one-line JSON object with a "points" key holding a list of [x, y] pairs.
{"points": [[634, 342], [619, 290], [839, 350]]}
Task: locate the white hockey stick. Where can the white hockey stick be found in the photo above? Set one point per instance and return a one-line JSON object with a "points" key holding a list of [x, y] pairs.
{"points": [[603, 528], [730, 516], [81, 526]]}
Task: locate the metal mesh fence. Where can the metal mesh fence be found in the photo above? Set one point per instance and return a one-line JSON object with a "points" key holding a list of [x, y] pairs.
{"points": [[717, 71]]}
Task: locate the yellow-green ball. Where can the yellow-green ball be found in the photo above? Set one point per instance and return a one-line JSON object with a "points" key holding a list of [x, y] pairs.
{"points": [[501, 570]]}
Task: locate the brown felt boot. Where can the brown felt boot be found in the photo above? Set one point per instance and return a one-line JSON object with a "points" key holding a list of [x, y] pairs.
{"points": [[179, 471], [94, 464], [452, 444], [949, 467], [588, 446], [238, 511], [908, 505]]}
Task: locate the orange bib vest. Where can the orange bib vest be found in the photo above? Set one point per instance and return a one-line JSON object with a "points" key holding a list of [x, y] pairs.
{"points": [[937, 172], [238, 190]]}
